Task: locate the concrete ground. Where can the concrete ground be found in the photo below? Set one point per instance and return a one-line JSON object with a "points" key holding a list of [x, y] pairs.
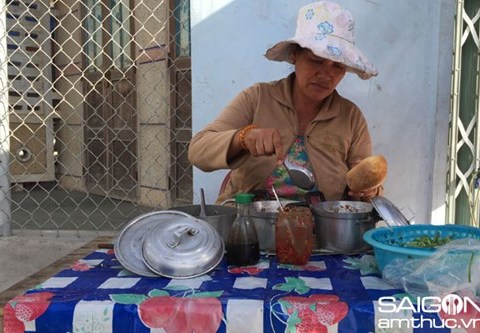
{"points": [[48, 223], [49, 207], [27, 252]]}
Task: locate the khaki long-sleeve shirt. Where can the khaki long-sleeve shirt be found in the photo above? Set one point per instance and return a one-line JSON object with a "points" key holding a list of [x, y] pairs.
{"points": [[335, 139]]}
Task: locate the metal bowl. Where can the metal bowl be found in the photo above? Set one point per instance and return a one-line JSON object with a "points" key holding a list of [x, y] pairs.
{"points": [[183, 248]]}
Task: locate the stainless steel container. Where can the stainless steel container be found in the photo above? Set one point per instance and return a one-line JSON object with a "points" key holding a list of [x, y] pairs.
{"points": [[219, 217], [340, 225]]}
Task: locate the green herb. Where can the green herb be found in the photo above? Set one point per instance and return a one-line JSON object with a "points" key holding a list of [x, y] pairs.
{"points": [[429, 241]]}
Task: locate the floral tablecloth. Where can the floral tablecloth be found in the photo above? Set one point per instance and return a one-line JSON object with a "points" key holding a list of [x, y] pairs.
{"points": [[332, 293]]}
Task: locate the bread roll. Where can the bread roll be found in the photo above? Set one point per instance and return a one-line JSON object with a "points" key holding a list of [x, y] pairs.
{"points": [[369, 173]]}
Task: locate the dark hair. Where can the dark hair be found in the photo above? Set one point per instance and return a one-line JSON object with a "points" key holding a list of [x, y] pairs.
{"points": [[295, 49]]}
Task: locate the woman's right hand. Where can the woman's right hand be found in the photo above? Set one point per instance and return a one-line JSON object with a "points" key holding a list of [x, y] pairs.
{"points": [[264, 142]]}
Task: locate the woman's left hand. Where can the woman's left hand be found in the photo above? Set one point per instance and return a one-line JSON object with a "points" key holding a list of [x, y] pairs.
{"points": [[365, 196]]}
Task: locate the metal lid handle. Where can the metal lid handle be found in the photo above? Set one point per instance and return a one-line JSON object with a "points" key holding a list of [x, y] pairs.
{"points": [[179, 233]]}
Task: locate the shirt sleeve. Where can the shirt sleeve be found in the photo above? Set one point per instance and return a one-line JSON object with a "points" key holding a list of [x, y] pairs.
{"points": [[361, 145], [208, 148]]}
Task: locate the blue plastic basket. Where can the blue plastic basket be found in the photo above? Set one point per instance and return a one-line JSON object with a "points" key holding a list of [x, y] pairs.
{"points": [[389, 242]]}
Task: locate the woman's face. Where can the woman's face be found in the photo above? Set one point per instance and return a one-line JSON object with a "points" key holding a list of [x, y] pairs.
{"points": [[316, 78]]}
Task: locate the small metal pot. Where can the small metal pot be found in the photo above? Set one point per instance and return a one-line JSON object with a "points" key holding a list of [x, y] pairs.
{"points": [[340, 225], [219, 217]]}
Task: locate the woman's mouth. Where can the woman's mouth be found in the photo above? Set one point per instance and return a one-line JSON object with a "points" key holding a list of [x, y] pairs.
{"points": [[321, 85]]}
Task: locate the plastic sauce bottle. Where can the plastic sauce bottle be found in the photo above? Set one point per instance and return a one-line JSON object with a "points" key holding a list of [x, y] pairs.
{"points": [[242, 245], [294, 235]]}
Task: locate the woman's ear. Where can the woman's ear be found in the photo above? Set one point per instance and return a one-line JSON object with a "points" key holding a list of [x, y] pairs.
{"points": [[294, 55], [295, 51]]}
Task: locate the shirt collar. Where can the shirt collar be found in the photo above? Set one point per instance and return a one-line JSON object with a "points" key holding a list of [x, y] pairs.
{"points": [[282, 93]]}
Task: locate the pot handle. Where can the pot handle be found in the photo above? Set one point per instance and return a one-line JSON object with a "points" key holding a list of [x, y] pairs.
{"points": [[375, 215], [231, 200]]}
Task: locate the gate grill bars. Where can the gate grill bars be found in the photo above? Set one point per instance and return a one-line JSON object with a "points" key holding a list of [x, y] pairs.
{"points": [[463, 180]]}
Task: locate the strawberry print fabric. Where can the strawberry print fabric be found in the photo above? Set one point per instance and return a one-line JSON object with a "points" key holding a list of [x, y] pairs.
{"points": [[331, 293]]}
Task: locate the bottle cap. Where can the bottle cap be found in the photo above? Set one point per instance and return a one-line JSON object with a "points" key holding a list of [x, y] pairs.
{"points": [[243, 198]]}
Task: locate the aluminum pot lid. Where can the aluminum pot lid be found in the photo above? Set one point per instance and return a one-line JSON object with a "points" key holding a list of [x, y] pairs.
{"points": [[389, 212], [128, 246], [182, 247]]}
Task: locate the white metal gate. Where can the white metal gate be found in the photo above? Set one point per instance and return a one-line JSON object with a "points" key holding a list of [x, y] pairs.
{"points": [[464, 161], [30, 92], [97, 104]]}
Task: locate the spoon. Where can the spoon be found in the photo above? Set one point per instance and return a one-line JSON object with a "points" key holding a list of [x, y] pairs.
{"points": [[289, 228], [300, 176], [203, 207], [278, 200]]}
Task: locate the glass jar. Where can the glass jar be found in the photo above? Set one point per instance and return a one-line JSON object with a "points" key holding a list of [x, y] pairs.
{"points": [[242, 246], [294, 237]]}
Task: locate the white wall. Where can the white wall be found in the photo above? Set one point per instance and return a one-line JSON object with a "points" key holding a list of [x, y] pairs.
{"points": [[406, 106]]}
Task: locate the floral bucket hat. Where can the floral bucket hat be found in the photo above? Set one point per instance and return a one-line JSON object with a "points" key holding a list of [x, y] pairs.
{"points": [[328, 31]]}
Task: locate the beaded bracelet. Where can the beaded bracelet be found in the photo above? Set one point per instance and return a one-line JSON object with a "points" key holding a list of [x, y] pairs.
{"points": [[243, 132]]}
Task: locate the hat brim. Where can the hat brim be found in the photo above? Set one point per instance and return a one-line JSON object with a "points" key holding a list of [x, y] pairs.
{"points": [[331, 48]]}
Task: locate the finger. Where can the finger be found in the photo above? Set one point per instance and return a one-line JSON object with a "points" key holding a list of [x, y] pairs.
{"points": [[367, 194], [359, 194], [253, 149], [356, 194], [278, 145], [356, 162], [264, 146], [268, 147], [372, 192]]}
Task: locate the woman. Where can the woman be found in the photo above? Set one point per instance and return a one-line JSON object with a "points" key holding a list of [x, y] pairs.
{"points": [[300, 118]]}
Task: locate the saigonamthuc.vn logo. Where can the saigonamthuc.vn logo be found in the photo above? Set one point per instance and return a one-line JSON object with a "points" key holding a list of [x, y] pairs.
{"points": [[453, 312]]}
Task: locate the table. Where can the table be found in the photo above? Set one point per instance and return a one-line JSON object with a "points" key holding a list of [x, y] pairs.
{"points": [[332, 293]]}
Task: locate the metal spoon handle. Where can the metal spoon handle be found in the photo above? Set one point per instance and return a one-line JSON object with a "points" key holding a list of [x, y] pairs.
{"points": [[276, 197], [203, 207]]}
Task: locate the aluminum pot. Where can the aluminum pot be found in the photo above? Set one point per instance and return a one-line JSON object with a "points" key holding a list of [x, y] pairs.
{"points": [[340, 225], [219, 217], [264, 215]]}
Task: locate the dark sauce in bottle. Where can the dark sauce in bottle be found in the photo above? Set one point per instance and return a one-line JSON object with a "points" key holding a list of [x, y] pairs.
{"points": [[245, 254], [243, 246]]}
